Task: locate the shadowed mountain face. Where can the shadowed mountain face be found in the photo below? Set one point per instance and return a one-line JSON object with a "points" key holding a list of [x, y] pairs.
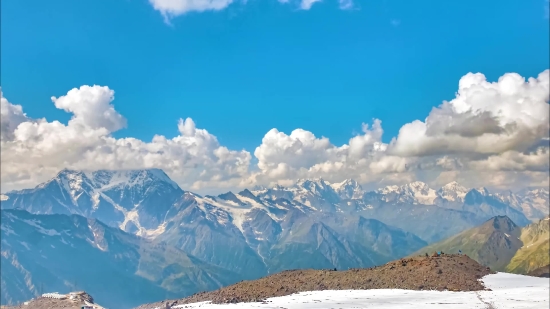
{"points": [[312, 224], [500, 244], [60, 253]]}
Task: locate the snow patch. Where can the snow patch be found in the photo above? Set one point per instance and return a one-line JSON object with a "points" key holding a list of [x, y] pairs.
{"points": [[7, 230], [35, 223], [26, 245]]}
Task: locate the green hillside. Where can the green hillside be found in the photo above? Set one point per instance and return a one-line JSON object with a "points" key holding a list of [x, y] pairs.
{"points": [[535, 251], [500, 244], [493, 243]]}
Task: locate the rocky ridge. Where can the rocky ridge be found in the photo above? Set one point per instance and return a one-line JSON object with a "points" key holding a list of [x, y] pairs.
{"points": [[444, 272]]}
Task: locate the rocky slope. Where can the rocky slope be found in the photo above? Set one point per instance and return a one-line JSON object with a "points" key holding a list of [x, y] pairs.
{"points": [[59, 253], [543, 272], [446, 272]]}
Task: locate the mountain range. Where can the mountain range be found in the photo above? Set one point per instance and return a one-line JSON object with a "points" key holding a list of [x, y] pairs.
{"points": [[251, 233]]}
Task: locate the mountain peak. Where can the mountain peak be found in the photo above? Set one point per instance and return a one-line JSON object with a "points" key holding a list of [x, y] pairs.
{"points": [[350, 181], [416, 192], [306, 182], [348, 189], [501, 223], [483, 191], [418, 184], [66, 171], [230, 196], [347, 182], [314, 185], [68, 174], [454, 185], [102, 178], [247, 193], [453, 191]]}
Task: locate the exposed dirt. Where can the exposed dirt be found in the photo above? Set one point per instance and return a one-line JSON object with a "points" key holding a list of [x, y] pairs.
{"points": [[445, 272], [543, 272], [52, 303]]}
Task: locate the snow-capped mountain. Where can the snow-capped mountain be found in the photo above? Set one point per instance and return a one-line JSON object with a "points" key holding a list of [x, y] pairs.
{"points": [[452, 192], [534, 202], [414, 193], [348, 189], [134, 200]]}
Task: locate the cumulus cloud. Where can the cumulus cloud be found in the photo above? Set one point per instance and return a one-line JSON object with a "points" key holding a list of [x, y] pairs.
{"points": [[488, 118], [11, 116], [491, 133], [91, 107]]}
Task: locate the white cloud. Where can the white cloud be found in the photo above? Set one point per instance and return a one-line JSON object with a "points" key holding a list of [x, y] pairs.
{"points": [[91, 107], [346, 4], [484, 118], [490, 134], [170, 8], [173, 8], [11, 116], [307, 4]]}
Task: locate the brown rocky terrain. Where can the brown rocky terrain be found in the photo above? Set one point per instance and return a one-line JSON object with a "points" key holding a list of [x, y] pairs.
{"points": [[541, 272], [81, 298], [445, 272]]}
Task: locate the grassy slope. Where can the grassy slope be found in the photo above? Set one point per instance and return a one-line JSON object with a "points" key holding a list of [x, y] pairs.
{"points": [[493, 243], [535, 250]]}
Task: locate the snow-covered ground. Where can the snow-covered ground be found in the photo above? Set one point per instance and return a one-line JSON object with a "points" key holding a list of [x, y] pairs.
{"points": [[508, 291]]}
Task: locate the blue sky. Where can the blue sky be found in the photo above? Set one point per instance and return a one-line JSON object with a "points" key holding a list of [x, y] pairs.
{"points": [[251, 67]]}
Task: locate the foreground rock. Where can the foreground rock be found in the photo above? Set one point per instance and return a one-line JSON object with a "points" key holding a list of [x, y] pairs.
{"points": [[445, 272], [543, 272], [74, 300]]}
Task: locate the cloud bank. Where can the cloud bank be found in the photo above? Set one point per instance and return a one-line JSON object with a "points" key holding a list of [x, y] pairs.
{"points": [[491, 133]]}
